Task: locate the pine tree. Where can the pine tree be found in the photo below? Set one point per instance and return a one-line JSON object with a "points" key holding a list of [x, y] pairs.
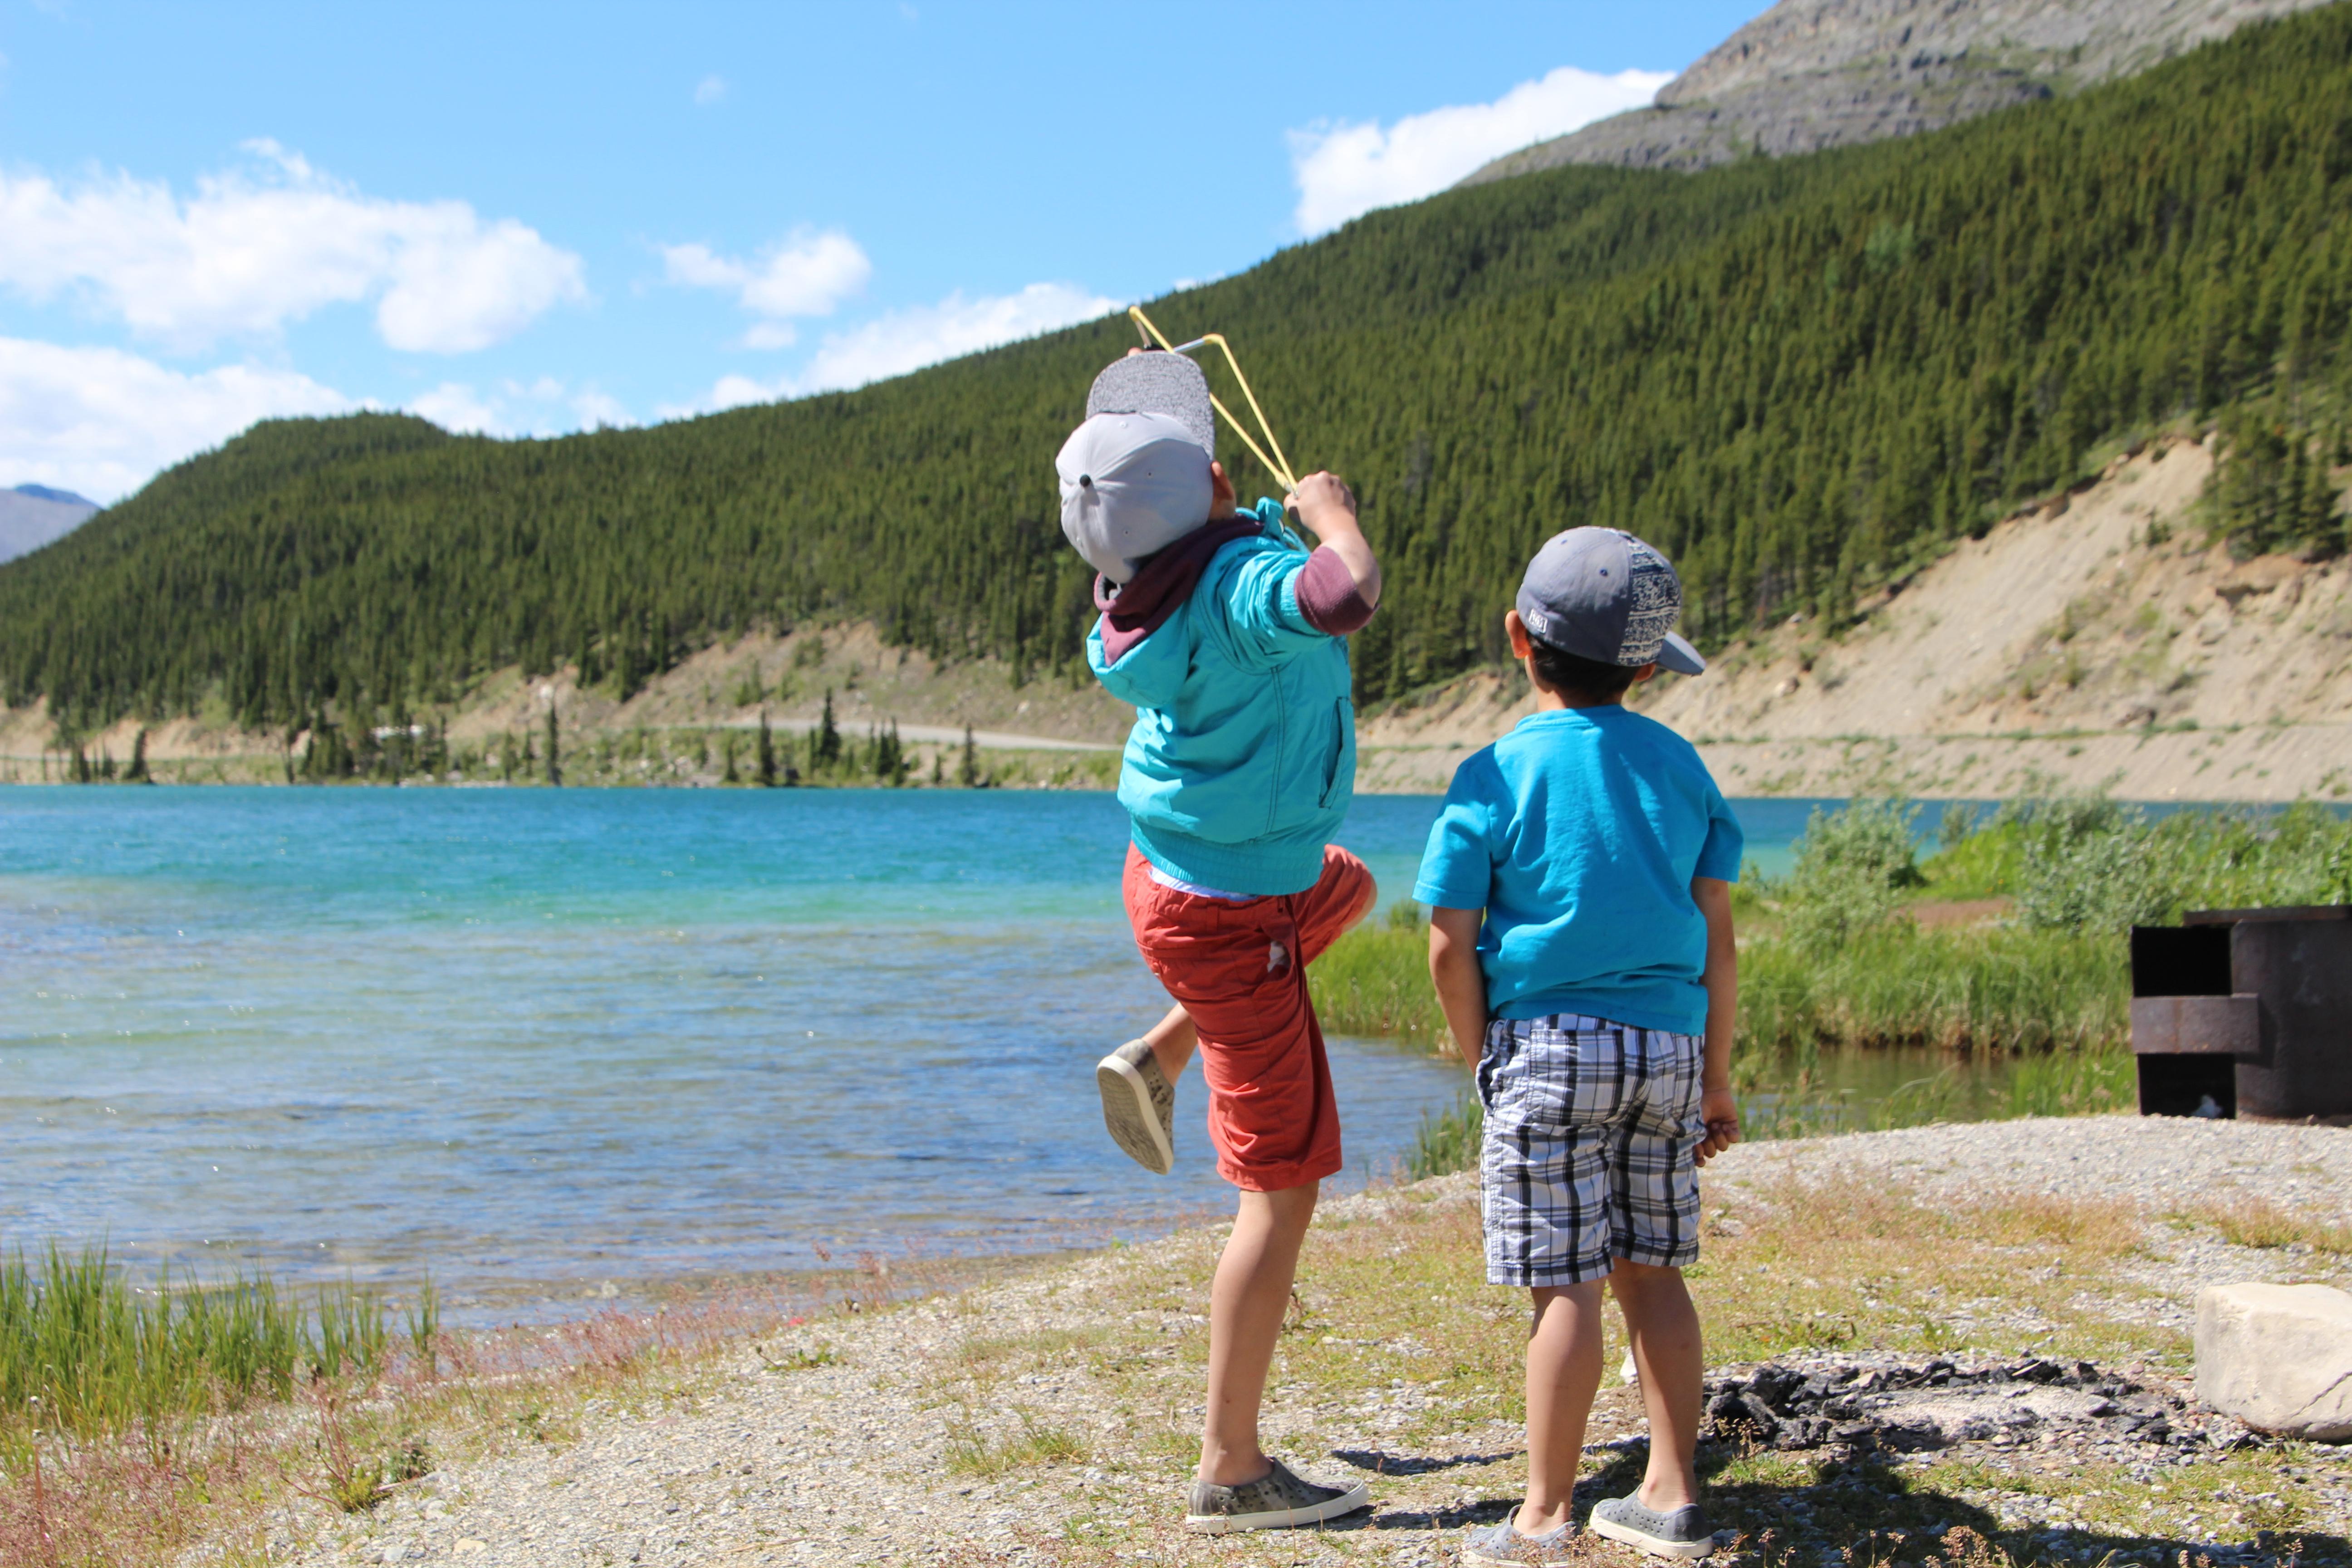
{"points": [[767, 753], [554, 761], [967, 774], [726, 750], [827, 748], [137, 772]]}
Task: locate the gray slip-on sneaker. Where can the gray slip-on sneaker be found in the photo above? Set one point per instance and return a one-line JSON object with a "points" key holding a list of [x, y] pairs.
{"points": [[1682, 1533], [1139, 1105], [1276, 1501], [1502, 1546]]}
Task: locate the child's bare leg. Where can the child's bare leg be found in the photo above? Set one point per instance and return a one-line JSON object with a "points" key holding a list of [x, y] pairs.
{"points": [[1245, 1311], [1563, 1374], [1666, 1347], [1172, 1040]]}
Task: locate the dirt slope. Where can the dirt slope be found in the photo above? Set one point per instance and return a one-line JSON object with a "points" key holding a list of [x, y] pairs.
{"points": [[2097, 639]]}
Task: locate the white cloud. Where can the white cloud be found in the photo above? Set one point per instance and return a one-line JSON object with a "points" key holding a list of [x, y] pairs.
{"points": [[808, 275], [906, 340], [710, 90], [1344, 169], [270, 243], [453, 406], [901, 341], [102, 421], [542, 407]]}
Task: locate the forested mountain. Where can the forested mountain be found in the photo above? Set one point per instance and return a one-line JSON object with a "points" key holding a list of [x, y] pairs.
{"points": [[1797, 375], [1813, 74]]}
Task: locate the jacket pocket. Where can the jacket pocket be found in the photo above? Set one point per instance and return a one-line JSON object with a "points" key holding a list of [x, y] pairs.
{"points": [[1339, 771]]}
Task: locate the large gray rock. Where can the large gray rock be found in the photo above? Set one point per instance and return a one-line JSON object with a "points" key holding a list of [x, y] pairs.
{"points": [[1811, 74], [2278, 1357]]}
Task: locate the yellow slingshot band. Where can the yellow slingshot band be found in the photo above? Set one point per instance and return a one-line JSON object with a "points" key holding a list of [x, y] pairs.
{"points": [[1278, 465]]}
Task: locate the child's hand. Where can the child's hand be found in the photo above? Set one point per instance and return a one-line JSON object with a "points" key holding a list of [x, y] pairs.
{"points": [[1721, 1112], [1324, 502]]}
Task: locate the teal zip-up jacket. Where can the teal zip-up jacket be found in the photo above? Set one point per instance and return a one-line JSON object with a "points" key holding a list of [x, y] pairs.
{"points": [[1242, 758]]}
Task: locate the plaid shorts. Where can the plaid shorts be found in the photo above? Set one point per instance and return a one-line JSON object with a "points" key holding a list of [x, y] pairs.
{"points": [[1590, 1132]]}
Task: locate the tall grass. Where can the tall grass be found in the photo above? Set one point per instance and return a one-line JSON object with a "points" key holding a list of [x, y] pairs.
{"points": [[84, 1351], [1991, 988], [1375, 981], [1995, 988]]}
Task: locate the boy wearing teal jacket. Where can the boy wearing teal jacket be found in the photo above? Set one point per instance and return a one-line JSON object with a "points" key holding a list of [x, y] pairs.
{"points": [[1226, 633]]}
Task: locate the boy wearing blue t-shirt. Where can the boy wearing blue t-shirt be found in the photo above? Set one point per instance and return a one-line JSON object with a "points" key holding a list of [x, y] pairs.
{"points": [[1578, 881]]}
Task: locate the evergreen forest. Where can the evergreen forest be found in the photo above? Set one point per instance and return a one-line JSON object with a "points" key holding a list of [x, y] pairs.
{"points": [[1800, 377]]}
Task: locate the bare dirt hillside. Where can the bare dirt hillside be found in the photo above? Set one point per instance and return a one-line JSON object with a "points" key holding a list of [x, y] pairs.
{"points": [[1812, 74], [2098, 640]]}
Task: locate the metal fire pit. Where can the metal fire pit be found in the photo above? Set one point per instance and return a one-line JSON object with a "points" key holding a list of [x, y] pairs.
{"points": [[2245, 1012]]}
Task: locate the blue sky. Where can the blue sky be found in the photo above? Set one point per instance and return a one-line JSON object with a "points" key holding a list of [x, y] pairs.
{"points": [[526, 218]]}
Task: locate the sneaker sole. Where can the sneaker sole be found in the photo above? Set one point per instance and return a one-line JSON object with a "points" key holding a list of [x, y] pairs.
{"points": [[1349, 1501], [1655, 1545], [1129, 1119]]}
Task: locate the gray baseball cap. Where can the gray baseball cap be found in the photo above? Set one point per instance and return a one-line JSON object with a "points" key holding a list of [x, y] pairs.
{"points": [[1157, 382], [1602, 595], [1132, 485]]}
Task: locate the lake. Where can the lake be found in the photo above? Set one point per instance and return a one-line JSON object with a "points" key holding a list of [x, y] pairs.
{"points": [[539, 1042]]}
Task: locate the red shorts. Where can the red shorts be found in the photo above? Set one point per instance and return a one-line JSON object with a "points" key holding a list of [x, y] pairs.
{"points": [[1240, 970]]}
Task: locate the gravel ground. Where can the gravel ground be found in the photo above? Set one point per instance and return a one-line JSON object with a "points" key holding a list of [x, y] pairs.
{"points": [[756, 1456]]}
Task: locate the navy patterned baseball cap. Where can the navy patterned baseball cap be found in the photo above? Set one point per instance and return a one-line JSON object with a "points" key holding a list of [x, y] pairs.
{"points": [[1602, 595]]}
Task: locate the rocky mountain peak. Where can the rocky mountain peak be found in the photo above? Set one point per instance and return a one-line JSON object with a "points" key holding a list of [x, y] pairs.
{"points": [[1813, 74]]}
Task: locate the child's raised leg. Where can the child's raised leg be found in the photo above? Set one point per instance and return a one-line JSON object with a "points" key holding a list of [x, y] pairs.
{"points": [[1563, 1375], [1664, 1329], [1173, 1040]]}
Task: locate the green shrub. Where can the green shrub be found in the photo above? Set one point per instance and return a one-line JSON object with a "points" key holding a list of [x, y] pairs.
{"points": [[2088, 864], [1853, 866]]}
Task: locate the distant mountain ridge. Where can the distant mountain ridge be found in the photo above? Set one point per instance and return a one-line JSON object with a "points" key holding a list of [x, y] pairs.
{"points": [[1813, 74], [34, 515], [43, 492]]}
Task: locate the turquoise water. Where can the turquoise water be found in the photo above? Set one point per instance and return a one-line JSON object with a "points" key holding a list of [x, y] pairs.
{"points": [[535, 1041], [547, 1040]]}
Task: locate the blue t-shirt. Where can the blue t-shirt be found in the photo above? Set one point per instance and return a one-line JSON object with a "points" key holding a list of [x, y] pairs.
{"points": [[1578, 834]]}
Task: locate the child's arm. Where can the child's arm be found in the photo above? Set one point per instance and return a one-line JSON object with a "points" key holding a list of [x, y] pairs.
{"points": [[1328, 506], [1461, 984], [1717, 1108]]}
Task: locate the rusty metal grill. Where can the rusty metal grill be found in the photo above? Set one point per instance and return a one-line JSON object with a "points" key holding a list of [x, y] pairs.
{"points": [[2245, 1012]]}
